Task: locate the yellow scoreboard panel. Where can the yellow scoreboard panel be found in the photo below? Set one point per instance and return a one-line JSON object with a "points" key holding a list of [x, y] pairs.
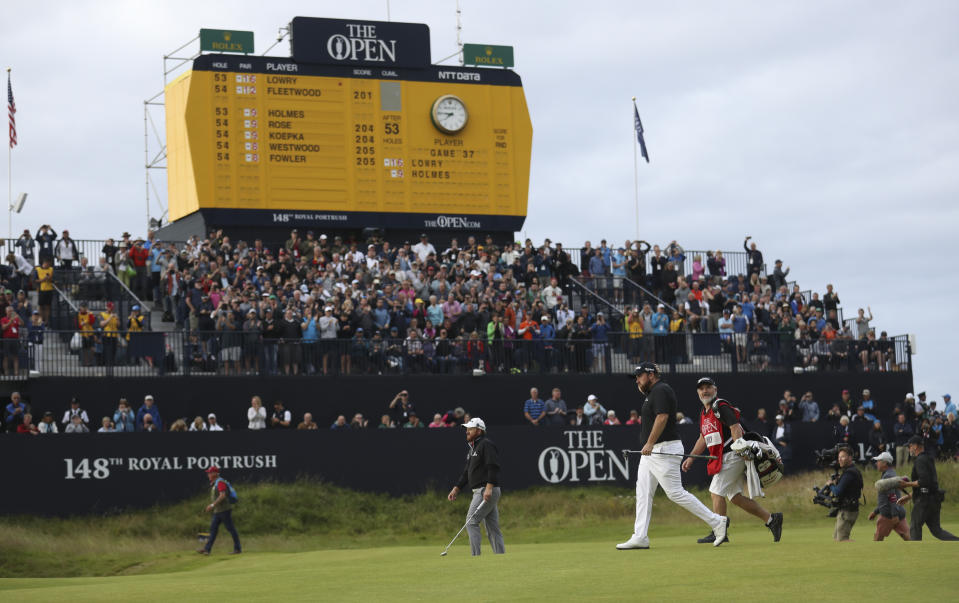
{"points": [[261, 140]]}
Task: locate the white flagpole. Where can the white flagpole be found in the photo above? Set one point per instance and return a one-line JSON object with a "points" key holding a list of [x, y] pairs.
{"points": [[9, 176], [636, 174]]}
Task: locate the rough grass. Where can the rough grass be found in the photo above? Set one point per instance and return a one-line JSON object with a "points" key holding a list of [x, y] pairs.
{"points": [[309, 515]]}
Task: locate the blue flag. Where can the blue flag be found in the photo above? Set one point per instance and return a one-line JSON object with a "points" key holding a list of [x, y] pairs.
{"points": [[639, 133]]}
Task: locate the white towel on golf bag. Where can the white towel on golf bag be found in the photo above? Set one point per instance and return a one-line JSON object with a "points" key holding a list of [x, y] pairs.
{"points": [[763, 463]]}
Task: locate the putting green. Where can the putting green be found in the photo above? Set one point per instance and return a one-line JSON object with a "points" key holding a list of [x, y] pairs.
{"points": [[806, 565]]}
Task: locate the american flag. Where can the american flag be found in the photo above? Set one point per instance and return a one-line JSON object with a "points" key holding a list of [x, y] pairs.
{"points": [[11, 111]]}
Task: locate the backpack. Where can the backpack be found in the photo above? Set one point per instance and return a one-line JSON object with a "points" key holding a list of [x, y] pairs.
{"points": [[230, 492]]}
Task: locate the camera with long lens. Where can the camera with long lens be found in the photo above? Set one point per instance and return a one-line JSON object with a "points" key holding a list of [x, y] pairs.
{"points": [[827, 458]]}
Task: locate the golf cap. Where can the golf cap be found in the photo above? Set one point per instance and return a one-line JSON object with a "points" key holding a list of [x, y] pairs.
{"points": [[705, 381], [885, 456], [779, 418], [211, 416], [916, 439], [148, 397], [591, 398], [646, 367], [475, 422], [213, 469], [866, 392], [946, 397], [910, 397]]}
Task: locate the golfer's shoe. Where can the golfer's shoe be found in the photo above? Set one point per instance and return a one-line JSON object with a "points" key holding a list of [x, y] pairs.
{"points": [[633, 543], [203, 551], [720, 532], [710, 538], [776, 526], [235, 552]]}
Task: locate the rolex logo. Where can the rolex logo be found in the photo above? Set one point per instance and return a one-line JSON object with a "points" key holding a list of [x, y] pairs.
{"points": [[227, 35]]}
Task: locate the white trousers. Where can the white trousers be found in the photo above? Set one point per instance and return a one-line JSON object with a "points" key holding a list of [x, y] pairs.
{"points": [[660, 470]]}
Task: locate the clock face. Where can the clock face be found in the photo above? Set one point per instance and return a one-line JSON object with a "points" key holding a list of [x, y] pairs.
{"points": [[449, 114]]}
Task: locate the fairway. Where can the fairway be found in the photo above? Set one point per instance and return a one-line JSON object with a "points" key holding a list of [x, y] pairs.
{"points": [[806, 564]]}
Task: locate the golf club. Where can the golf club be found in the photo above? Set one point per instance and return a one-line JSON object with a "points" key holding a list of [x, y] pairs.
{"points": [[478, 507], [626, 454]]}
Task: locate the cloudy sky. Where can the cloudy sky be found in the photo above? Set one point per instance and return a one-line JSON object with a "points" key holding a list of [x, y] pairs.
{"points": [[826, 130]]}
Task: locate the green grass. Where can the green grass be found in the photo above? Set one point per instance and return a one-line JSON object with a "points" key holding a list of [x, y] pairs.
{"points": [[358, 545], [805, 565]]}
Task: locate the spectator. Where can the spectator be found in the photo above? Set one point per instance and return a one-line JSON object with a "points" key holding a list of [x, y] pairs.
{"points": [[124, 419], [76, 425], [106, 426], [778, 278], [534, 409], [869, 405], [400, 408], [834, 413], [281, 418], [611, 418], [212, 424], [15, 412], [180, 426], [198, 424], [148, 424], [682, 419], [634, 418], [877, 439], [358, 422], [594, 411], [47, 424], [66, 251], [842, 433], [437, 421], [340, 424], [308, 423], [149, 408], [901, 432], [256, 414], [782, 435], [556, 409], [862, 323], [386, 423], [27, 426], [75, 411], [12, 325], [761, 424], [809, 408], [26, 246], [754, 263], [413, 421]]}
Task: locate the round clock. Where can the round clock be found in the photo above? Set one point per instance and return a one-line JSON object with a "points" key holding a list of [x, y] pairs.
{"points": [[449, 114]]}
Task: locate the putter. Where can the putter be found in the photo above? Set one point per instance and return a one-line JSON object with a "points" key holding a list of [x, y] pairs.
{"points": [[626, 454], [478, 507]]}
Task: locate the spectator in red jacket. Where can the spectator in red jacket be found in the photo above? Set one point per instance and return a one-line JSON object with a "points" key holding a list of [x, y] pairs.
{"points": [[11, 324], [139, 255]]}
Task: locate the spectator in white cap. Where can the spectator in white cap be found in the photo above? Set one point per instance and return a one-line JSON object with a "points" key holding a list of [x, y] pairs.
{"points": [[481, 474], [594, 411], [212, 425], [888, 514]]}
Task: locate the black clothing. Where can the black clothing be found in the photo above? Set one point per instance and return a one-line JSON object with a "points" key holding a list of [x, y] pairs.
{"points": [[482, 464], [661, 399], [849, 489], [927, 500], [924, 471], [755, 261]]}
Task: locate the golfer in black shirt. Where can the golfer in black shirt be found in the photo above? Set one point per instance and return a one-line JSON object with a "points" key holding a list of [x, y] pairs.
{"points": [[481, 474], [660, 463], [926, 497]]}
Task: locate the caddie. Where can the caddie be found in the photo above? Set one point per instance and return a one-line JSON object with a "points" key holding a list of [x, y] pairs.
{"points": [[719, 427]]}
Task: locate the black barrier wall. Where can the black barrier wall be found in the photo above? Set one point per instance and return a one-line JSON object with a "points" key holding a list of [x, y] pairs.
{"points": [[498, 399], [85, 473]]}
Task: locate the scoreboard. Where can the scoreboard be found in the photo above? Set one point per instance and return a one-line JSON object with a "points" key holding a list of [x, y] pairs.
{"points": [[273, 141]]}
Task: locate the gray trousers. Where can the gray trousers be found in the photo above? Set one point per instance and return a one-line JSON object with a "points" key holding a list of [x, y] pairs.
{"points": [[489, 514]]}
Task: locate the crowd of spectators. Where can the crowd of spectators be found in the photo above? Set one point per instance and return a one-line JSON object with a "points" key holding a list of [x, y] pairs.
{"points": [[324, 305], [869, 426]]}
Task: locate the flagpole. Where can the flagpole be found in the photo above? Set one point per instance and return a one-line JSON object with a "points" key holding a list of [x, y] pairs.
{"points": [[9, 180], [636, 177]]}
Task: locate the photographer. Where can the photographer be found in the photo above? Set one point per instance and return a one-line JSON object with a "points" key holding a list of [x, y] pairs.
{"points": [[925, 492], [847, 489]]}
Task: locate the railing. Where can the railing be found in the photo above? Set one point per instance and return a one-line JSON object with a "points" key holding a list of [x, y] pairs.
{"points": [[241, 353], [736, 261]]}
